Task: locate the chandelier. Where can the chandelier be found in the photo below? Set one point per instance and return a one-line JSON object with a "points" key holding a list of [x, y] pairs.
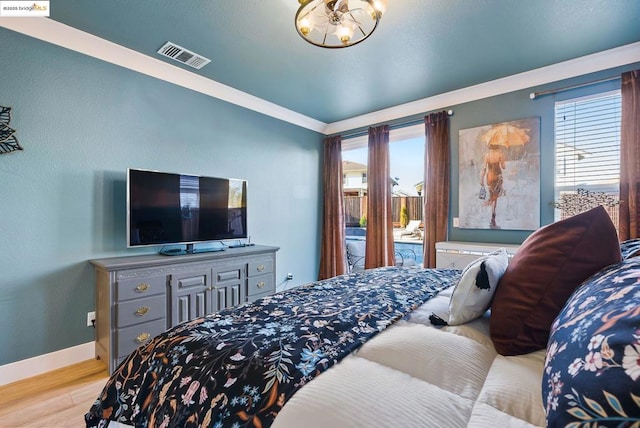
{"points": [[338, 23]]}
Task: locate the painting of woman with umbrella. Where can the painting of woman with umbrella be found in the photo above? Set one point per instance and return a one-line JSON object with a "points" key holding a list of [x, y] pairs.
{"points": [[493, 166], [507, 156], [501, 135]]}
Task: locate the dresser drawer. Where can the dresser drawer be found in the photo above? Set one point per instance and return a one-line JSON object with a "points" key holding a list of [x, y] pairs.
{"points": [[129, 338], [194, 280], [260, 266], [226, 274], [261, 284], [141, 310], [140, 287]]}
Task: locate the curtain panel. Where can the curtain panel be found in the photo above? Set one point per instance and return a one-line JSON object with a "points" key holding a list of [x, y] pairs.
{"points": [[629, 156], [332, 248], [379, 243], [437, 166]]}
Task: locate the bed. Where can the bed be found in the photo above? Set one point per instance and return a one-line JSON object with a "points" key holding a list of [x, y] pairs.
{"points": [[399, 346]]}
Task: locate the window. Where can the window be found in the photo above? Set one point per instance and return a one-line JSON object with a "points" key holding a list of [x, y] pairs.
{"points": [[406, 151], [587, 141]]}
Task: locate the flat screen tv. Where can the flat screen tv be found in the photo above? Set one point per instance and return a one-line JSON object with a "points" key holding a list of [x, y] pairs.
{"points": [[166, 208]]}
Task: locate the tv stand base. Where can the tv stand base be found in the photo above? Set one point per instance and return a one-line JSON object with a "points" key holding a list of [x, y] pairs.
{"points": [[189, 250]]}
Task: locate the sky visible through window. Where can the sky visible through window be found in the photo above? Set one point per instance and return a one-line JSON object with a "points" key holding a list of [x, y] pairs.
{"points": [[407, 162]]}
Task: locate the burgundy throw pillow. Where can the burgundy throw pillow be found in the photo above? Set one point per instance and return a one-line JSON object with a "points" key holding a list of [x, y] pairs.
{"points": [[549, 265]]}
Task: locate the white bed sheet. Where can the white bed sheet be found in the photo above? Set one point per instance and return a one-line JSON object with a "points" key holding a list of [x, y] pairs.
{"points": [[414, 374]]}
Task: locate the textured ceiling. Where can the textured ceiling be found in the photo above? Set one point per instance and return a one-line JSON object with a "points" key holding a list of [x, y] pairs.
{"points": [[421, 48]]}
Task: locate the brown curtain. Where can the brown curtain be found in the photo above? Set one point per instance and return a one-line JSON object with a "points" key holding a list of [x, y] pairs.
{"points": [[379, 247], [629, 156], [436, 184], [332, 247]]}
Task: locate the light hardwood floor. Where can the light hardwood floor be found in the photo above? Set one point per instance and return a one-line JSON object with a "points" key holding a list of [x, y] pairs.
{"points": [[59, 398]]}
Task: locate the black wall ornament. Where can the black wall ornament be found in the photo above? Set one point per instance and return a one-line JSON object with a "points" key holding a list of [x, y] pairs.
{"points": [[8, 140]]}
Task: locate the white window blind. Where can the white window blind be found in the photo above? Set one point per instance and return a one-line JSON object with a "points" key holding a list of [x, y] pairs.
{"points": [[587, 142]]}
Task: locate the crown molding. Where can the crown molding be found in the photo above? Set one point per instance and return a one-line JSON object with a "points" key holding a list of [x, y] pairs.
{"points": [[71, 38], [54, 32], [604, 60]]}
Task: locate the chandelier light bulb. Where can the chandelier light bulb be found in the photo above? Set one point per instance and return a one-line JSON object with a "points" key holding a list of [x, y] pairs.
{"points": [[380, 6], [344, 33], [305, 26]]}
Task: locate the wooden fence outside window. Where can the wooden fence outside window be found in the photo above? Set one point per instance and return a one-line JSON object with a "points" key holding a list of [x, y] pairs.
{"points": [[355, 207]]}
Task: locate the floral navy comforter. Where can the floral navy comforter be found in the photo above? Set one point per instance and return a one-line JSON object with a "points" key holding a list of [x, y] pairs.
{"points": [[238, 367]]}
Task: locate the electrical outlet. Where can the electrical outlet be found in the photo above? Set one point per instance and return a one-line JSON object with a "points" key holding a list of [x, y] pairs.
{"points": [[91, 317], [289, 276], [456, 222]]}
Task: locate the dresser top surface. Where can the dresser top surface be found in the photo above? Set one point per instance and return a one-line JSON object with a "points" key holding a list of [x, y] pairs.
{"points": [[129, 262]]}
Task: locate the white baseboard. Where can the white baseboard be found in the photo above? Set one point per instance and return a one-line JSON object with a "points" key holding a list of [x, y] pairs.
{"points": [[34, 366]]}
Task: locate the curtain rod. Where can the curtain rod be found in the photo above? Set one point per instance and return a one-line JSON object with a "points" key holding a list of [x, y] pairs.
{"points": [[398, 125], [534, 95]]}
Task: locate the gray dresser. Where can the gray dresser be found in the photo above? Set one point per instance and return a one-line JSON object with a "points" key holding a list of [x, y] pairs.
{"points": [[138, 297]]}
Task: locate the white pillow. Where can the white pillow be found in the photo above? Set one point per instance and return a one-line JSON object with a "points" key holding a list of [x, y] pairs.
{"points": [[472, 295]]}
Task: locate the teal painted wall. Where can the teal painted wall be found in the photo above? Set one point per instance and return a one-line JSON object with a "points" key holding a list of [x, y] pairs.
{"points": [[82, 122], [507, 107], [513, 106]]}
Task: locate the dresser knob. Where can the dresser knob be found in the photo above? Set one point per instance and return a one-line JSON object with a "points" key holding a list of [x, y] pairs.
{"points": [[261, 284], [142, 310], [142, 287], [142, 338], [260, 268]]}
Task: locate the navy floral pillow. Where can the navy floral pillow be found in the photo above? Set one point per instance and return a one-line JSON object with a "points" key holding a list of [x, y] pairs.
{"points": [[592, 368], [630, 248]]}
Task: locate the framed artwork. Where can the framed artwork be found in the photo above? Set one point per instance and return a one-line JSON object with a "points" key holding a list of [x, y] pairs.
{"points": [[499, 176]]}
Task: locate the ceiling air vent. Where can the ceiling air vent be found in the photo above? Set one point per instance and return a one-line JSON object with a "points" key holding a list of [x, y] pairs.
{"points": [[180, 54]]}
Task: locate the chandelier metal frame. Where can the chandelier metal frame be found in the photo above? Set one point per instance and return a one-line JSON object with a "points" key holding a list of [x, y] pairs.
{"points": [[333, 24]]}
